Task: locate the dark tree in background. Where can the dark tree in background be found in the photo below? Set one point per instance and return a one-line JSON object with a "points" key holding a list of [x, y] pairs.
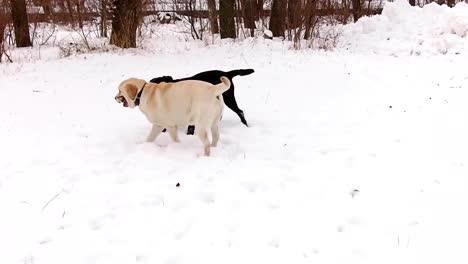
{"points": [[356, 9], [259, 10], [125, 20], [79, 11], [3, 21], [213, 16], [309, 17], [226, 19], [20, 23], [103, 22], [294, 13], [278, 18], [249, 12], [70, 12], [412, 2]]}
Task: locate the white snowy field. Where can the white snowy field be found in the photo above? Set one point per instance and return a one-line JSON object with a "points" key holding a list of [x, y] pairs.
{"points": [[349, 158]]}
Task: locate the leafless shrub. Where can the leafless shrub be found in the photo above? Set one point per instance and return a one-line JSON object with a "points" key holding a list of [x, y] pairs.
{"points": [[42, 33], [197, 25], [325, 34], [69, 49], [73, 46], [147, 28], [6, 38]]}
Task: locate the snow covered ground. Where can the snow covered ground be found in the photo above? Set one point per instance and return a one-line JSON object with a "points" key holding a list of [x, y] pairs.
{"points": [[404, 30], [350, 158]]}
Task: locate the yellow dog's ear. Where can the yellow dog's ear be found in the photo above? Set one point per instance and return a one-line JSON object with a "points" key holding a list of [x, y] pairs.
{"points": [[132, 90]]}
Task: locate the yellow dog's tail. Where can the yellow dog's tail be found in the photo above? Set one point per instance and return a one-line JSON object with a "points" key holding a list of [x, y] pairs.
{"points": [[222, 87]]}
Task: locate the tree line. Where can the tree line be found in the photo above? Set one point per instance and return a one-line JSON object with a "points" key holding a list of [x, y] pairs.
{"points": [[294, 19]]}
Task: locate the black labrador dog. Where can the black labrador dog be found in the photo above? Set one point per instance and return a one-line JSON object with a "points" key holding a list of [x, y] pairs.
{"points": [[213, 77]]}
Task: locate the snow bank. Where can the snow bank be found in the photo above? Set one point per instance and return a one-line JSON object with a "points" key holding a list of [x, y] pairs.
{"points": [[402, 29]]}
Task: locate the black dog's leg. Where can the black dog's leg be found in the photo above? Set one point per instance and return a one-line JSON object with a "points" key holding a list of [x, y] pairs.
{"points": [[242, 117], [190, 130], [230, 101]]}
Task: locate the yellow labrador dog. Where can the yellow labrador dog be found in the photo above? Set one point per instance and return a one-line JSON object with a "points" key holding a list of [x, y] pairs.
{"points": [[170, 105]]}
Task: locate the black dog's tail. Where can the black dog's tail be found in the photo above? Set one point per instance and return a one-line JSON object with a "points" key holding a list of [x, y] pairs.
{"points": [[241, 72]]}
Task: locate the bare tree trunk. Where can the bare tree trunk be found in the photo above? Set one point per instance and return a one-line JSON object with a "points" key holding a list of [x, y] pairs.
{"points": [[70, 11], [259, 10], [294, 8], [291, 4], [356, 9], [295, 18], [249, 7], [344, 16], [125, 20], [61, 6], [2, 27], [2, 32], [20, 23], [226, 19], [46, 7], [213, 16], [278, 17], [103, 24], [309, 17], [79, 12]]}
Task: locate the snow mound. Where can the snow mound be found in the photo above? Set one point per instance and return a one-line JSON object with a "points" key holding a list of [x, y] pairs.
{"points": [[402, 29]]}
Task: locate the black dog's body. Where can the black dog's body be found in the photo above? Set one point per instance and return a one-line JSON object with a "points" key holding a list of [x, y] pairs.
{"points": [[213, 77]]}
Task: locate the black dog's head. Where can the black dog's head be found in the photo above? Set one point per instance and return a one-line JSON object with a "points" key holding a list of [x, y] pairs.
{"points": [[162, 79]]}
